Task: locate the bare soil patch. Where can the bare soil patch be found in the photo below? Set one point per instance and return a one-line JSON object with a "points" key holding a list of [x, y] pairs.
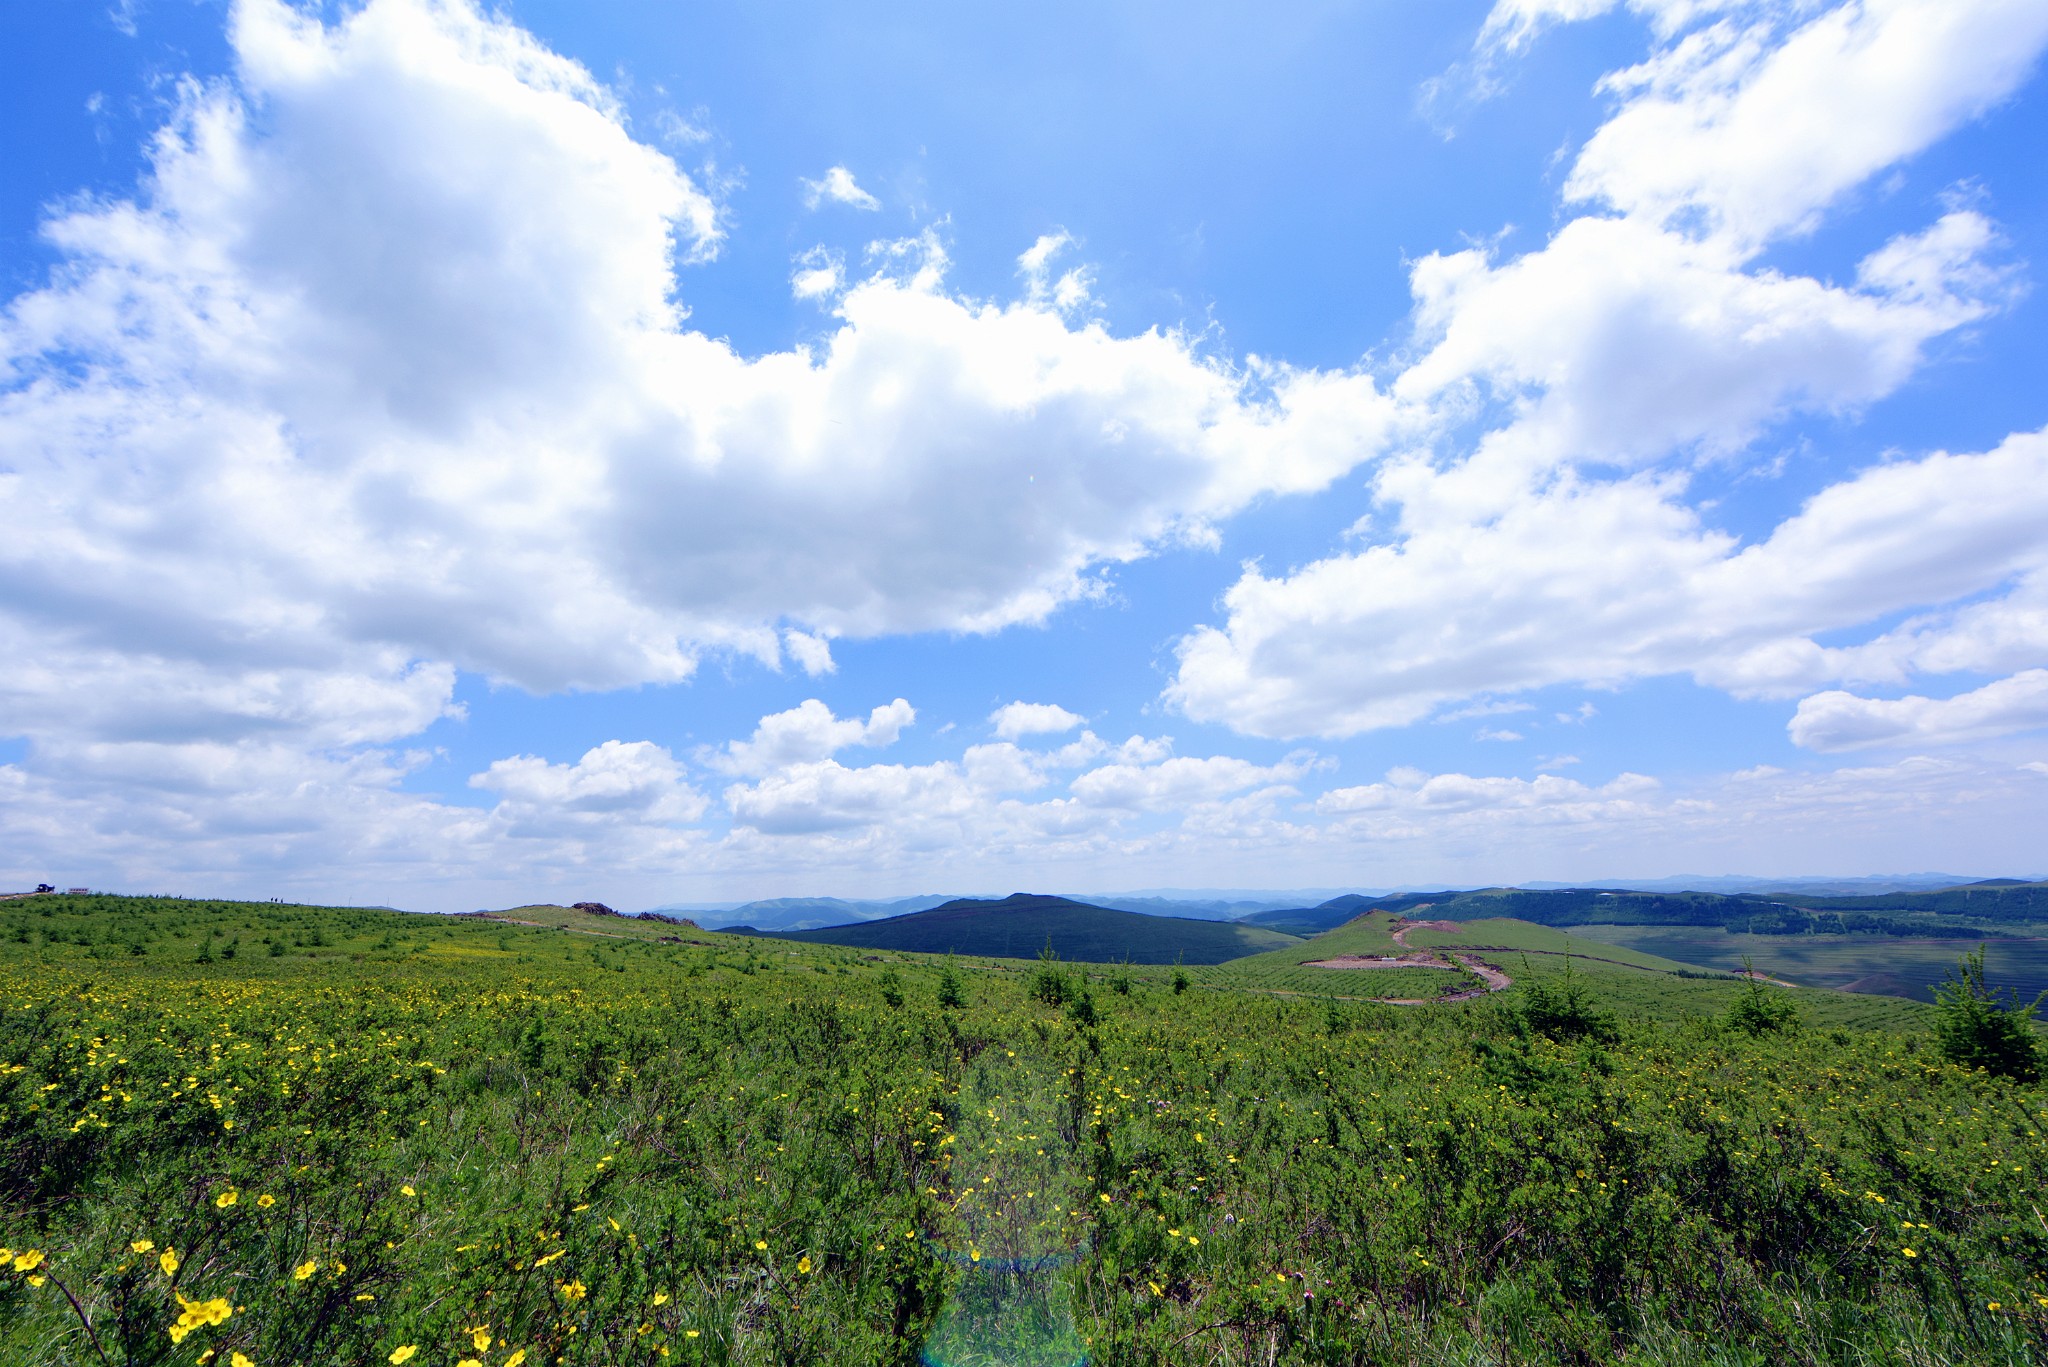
{"points": [[1419, 959], [1493, 979]]}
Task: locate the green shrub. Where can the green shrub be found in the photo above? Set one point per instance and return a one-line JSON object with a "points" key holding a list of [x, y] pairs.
{"points": [[1565, 1009], [1049, 981], [950, 995], [1974, 1028], [1760, 1012]]}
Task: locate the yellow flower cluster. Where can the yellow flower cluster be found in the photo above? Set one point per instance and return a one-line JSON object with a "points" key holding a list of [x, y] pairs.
{"points": [[199, 1313], [26, 1262]]}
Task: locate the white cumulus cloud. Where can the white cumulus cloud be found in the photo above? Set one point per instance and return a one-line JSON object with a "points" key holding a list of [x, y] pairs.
{"points": [[1033, 719], [618, 777], [1837, 720], [1745, 130], [385, 372], [1547, 533], [809, 732], [1608, 582]]}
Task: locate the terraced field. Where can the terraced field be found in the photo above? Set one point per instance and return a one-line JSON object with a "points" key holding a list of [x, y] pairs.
{"points": [[1876, 964]]}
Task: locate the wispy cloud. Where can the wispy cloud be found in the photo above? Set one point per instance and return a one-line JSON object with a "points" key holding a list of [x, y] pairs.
{"points": [[837, 186]]}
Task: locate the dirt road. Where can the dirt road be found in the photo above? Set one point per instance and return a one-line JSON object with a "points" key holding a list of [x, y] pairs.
{"points": [[1495, 980]]}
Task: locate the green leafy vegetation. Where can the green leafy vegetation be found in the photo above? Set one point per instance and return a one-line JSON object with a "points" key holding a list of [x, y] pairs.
{"points": [[1978, 1030], [1760, 1010], [594, 1141]]}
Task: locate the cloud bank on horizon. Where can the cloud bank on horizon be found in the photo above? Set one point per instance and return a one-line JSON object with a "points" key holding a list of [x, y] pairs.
{"points": [[376, 423]]}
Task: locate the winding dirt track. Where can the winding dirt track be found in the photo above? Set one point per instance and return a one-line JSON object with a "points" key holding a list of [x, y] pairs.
{"points": [[1495, 980]]}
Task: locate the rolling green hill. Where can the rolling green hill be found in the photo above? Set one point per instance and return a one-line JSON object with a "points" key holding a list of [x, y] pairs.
{"points": [[549, 916], [1018, 927], [1500, 939], [1967, 912], [1997, 900], [1371, 933], [1319, 918]]}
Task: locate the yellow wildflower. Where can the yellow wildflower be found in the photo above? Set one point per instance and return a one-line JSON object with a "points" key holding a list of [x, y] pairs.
{"points": [[305, 1270], [241, 1360], [803, 1264], [574, 1291], [480, 1336], [266, 1200], [760, 1245], [407, 1189], [470, 1362], [29, 1261], [403, 1353], [516, 1359], [227, 1198], [168, 1261], [197, 1313], [661, 1298], [142, 1246]]}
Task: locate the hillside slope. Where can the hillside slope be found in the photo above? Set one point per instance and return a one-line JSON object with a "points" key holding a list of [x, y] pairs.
{"points": [[1967, 912], [1019, 926]]}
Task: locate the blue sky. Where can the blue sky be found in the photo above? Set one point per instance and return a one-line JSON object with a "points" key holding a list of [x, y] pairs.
{"points": [[457, 456]]}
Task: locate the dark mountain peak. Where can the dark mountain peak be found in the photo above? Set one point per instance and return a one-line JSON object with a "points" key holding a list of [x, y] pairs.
{"points": [[1016, 901], [1023, 924]]}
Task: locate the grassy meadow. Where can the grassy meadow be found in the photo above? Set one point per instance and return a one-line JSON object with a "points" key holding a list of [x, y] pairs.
{"points": [[254, 1135]]}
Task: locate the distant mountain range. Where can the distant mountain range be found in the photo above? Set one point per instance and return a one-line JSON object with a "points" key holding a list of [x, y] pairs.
{"points": [[1683, 900], [1189, 908], [1020, 926], [1875, 885], [1959, 910], [804, 913], [813, 913]]}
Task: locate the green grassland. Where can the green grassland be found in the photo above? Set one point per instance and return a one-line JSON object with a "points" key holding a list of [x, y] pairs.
{"points": [[548, 916], [293, 1135], [1370, 934], [1629, 979]]}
